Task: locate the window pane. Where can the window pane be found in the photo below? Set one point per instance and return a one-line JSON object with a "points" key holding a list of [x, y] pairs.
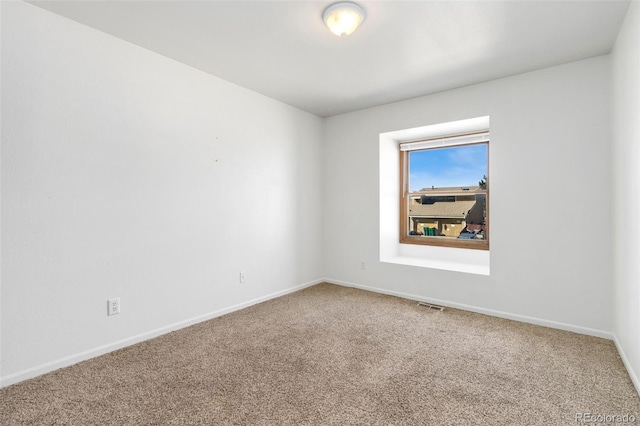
{"points": [[437, 204], [460, 216], [454, 167]]}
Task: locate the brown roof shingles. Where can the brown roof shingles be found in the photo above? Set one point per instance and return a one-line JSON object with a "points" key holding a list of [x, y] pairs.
{"points": [[457, 209]]}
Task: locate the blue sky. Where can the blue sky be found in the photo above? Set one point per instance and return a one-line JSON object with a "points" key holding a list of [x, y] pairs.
{"points": [[453, 166]]}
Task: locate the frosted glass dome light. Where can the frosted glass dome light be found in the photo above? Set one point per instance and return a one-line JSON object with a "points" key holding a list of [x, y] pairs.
{"points": [[343, 18]]}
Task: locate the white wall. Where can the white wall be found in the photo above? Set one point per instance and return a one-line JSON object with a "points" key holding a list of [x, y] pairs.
{"points": [[625, 60], [551, 199], [126, 174]]}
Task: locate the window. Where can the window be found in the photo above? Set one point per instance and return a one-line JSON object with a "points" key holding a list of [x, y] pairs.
{"points": [[444, 195]]}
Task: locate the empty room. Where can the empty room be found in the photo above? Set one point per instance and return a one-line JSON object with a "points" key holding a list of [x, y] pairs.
{"points": [[319, 212]]}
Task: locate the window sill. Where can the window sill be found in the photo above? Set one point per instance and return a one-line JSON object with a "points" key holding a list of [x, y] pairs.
{"points": [[467, 261]]}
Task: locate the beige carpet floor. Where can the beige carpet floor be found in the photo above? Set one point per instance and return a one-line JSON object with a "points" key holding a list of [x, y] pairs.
{"points": [[333, 355]]}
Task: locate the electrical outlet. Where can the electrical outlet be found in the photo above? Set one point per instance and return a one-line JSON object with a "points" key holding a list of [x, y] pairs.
{"points": [[243, 277], [113, 306]]}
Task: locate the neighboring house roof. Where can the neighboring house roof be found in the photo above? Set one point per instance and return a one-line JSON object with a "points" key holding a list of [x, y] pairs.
{"points": [[450, 189], [457, 209]]}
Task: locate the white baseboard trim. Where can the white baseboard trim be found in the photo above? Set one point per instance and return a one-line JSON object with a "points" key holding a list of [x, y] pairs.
{"points": [[101, 350], [627, 365], [500, 314]]}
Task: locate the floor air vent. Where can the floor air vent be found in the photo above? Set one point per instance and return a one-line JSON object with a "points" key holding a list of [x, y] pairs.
{"points": [[430, 306]]}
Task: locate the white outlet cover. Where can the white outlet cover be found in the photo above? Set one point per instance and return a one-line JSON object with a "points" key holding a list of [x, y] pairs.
{"points": [[113, 306]]}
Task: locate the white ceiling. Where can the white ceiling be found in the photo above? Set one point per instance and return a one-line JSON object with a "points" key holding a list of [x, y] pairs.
{"points": [[404, 49]]}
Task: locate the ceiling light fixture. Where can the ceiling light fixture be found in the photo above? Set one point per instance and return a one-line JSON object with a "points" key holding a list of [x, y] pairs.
{"points": [[343, 18]]}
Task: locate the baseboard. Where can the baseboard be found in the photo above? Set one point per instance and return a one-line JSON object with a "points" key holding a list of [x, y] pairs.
{"points": [[491, 312], [92, 353], [627, 365]]}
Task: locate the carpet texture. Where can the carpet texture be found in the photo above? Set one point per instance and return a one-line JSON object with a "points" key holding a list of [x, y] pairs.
{"points": [[333, 355]]}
